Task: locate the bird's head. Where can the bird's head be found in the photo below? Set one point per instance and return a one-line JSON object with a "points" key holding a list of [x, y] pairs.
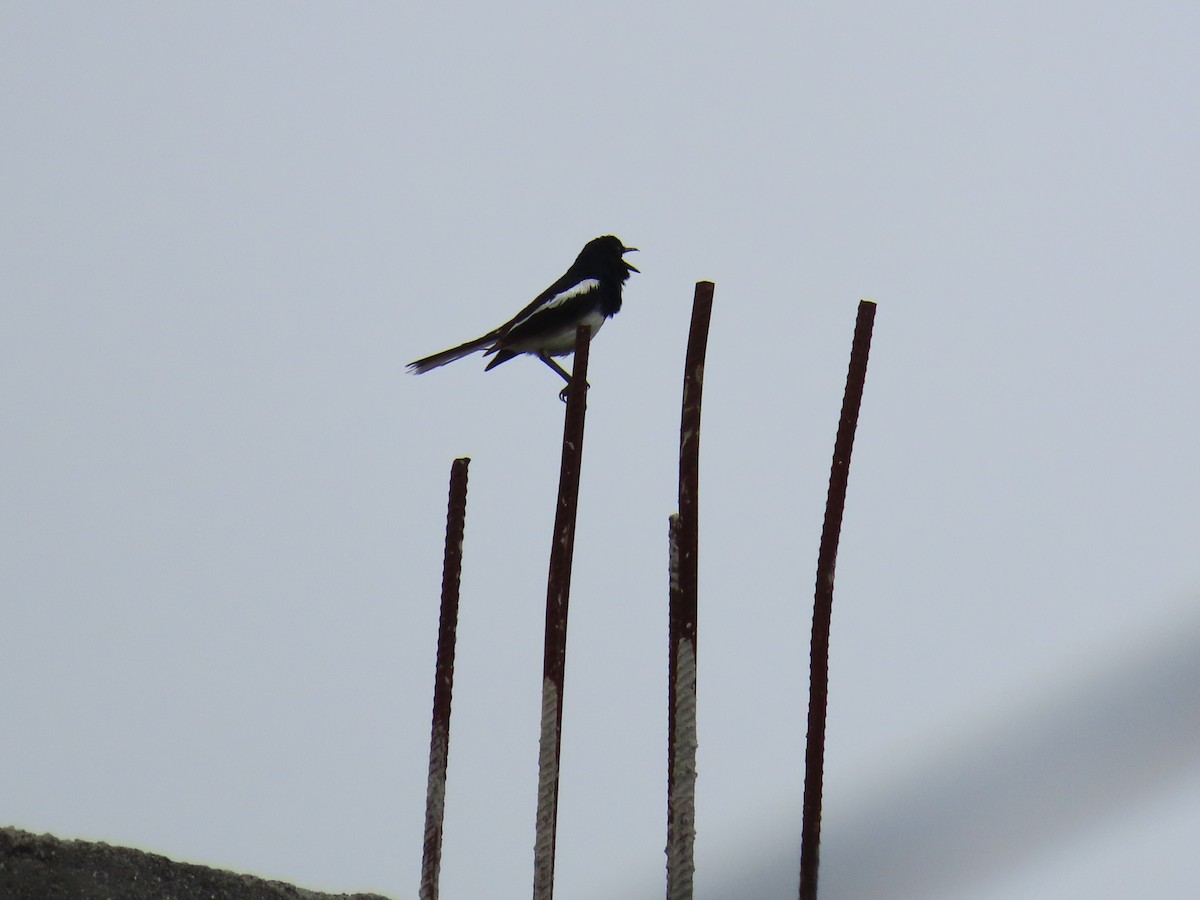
{"points": [[604, 255]]}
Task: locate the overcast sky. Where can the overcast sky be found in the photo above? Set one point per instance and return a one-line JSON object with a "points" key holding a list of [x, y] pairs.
{"points": [[227, 226]]}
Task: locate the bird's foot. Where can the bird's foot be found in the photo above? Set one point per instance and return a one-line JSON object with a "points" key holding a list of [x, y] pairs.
{"points": [[562, 395]]}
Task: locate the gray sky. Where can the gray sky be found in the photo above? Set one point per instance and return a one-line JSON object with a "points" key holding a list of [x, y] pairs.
{"points": [[227, 226]]}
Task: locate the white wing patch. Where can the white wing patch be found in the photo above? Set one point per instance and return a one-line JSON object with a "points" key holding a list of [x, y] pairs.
{"points": [[586, 286]]}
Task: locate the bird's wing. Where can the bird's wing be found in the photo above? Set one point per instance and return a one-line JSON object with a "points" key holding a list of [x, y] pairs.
{"points": [[563, 310], [565, 289]]}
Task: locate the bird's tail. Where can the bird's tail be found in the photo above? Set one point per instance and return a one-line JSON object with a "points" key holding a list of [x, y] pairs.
{"points": [[447, 356]]}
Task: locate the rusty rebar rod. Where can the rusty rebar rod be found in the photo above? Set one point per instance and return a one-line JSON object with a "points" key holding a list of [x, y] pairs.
{"points": [[558, 591], [818, 684], [682, 628], [443, 682]]}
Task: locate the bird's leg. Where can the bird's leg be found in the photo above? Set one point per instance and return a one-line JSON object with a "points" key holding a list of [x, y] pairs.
{"points": [[566, 376], [562, 395]]}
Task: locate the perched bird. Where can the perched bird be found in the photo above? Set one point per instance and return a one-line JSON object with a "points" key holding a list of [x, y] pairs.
{"points": [[587, 294]]}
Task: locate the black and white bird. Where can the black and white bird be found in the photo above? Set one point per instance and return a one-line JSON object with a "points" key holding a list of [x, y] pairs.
{"points": [[587, 294]]}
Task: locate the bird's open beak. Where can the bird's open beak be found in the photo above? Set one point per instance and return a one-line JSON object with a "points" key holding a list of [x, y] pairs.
{"points": [[630, 265]]}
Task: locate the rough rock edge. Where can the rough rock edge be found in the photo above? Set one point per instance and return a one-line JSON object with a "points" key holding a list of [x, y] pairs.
{"points": [[42, 867]]}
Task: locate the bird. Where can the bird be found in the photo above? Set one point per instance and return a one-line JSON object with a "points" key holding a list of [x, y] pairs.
{"points": [[588, 293]]}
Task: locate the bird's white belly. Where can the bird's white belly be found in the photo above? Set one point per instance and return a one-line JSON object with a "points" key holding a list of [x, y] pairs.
{"points": [[562, 342]]}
